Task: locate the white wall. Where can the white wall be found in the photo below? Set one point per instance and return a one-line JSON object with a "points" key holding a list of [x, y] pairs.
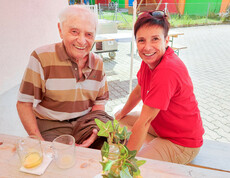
{"points": [[25, 25]]}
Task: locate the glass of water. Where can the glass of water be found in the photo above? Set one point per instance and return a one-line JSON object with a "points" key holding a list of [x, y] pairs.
{"points": [[64, 151]]}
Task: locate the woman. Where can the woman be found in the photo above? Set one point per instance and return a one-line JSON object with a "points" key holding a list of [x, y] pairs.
{"points": [[170, 111]]}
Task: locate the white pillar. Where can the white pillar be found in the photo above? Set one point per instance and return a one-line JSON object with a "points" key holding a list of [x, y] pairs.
{"points": [[133, 43]]}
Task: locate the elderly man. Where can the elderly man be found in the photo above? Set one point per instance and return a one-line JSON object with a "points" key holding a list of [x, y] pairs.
{"points": [[65, 81]]}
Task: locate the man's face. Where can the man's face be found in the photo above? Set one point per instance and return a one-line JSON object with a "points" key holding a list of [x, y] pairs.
{"points": [[78, 34]]}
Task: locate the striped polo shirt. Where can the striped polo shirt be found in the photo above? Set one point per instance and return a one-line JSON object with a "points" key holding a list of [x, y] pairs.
{"points": [[51, 83]]}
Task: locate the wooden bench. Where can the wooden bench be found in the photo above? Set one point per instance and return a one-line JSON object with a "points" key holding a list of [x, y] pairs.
{"points": [[213, 155], [176, 49]]}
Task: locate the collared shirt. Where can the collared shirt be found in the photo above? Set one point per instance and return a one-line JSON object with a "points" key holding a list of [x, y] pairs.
{"points": [[51, 83], [169, 88]]}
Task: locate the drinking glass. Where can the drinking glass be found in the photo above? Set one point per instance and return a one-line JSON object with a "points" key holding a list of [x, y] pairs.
{"points": [[29, 151], [64, 151]]}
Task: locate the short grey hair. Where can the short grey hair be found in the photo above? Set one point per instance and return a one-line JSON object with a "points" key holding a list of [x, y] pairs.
{"points": [[75, 9]]}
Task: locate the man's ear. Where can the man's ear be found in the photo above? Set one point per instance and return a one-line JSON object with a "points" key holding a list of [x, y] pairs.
{"points": [[60, 31]]}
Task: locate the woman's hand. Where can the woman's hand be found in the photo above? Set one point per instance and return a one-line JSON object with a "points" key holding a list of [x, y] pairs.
{"points": [[133, 100], [118, 115]]}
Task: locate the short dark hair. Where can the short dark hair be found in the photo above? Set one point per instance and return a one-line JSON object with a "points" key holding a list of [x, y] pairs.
{"points": [[148, 18]]}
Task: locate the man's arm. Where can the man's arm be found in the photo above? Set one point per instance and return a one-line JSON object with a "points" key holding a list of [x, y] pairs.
{"points": [[98, 107], [28, 119], [133, 100], [141, 127]]}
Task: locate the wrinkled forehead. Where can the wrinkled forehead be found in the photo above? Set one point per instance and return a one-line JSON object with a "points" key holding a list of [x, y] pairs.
{"points": [[80, 20]]}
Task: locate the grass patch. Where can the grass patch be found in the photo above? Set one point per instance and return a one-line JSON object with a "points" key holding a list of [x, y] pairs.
{"points": [[192, 20]]}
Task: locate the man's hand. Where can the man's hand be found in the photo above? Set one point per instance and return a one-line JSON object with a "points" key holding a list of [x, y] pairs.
{"points": [[90, 140]]}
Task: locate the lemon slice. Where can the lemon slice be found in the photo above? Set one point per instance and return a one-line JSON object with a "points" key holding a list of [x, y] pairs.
{"points": [[32, 160]]}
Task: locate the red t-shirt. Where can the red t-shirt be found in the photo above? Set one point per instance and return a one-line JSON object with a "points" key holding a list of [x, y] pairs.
{"points": [[169, 88]]}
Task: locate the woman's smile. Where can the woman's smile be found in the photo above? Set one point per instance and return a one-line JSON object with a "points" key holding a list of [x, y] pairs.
{"points": [[149, 54]]}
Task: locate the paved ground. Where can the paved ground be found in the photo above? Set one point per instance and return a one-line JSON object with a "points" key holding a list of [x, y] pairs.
{"points": [[207, 59]]}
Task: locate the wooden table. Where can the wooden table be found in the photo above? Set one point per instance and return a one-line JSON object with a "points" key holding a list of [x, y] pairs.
{"points": [[87, 165], [173, 35]]}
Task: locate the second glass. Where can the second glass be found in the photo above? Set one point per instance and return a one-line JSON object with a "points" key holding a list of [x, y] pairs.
{"points": [[64, 151]]}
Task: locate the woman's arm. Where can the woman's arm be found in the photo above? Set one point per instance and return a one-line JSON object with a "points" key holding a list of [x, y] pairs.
{"points": [[133, 100], [141, 127]]}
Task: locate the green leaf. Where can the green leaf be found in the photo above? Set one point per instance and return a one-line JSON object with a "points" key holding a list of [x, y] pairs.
{"points": [[126, 133], [100, 124], [108, 165], [103, 165], [117, 127], [105, 176], [126, 165], [120, 136], [123, 151], [125, 173], [137, 173], [105, 150], [109, 126], [120, 129], [132, 165], [115, 124], [132, 154], [116, 139], [140, 162], [105, 128], [111, 175]]}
